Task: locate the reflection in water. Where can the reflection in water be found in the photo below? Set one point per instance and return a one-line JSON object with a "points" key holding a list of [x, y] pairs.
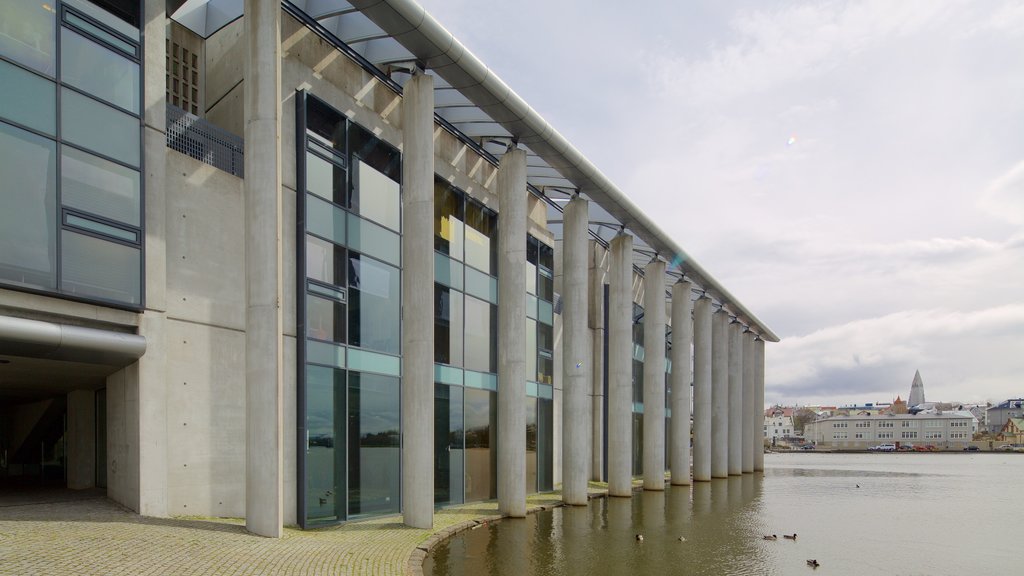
{"points": [[856, 514], [600, 538]]}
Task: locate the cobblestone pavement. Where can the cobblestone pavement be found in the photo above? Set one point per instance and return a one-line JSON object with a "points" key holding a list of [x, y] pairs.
{"points": [[92, 535]]}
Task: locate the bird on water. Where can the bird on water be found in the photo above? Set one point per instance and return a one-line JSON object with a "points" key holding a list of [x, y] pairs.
{"points": [[813, 563], [639, 537], [772, 537], [789, 537]]}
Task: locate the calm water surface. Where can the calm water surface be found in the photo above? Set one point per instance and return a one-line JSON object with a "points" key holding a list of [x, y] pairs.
{"points": [[911, 514]]}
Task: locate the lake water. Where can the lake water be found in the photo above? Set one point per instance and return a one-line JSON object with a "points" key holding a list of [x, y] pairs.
{"points": [[856, 514]]}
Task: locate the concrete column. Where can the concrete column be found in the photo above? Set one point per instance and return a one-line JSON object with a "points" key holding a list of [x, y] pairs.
{"points": [[682, 374], [264, 509], [748, 402], [418, 301], [758, 432], [147, 383], [620, 367], [576, 344], [598, 257], [654, 376], [81, 435], [702, 362], [511, 334], [735, 399], [720, 395]]}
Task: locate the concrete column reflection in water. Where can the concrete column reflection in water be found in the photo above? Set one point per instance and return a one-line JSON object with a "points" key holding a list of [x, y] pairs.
{"points": [[719, 395]]}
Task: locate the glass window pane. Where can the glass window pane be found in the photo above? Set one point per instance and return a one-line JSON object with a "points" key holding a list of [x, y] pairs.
{"points": [[481, 414], [366, 361], [449, 446], [120, 19], [28, 220], [102, 228], [367, 237], [447, 374], [325, 261], [101, 187], [531, 278], [448, 218], [325, 353], [545, 312], [374, 302], [334, 293], [447, 271], [100, 269], [531, 306], [481, 285], [325, 451], [448, 325], [97, 127], [531, 349], [364, 146], [481, 324], [325, 219], [374, 473], [98, 70], [482, 380], [481, 238], [531, 444], [325, 179], [379, 197], [112, 39], [27, 99], [28, 32], [325, 319]]}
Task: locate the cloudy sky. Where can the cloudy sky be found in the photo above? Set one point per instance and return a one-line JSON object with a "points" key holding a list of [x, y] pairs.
{"points": [[852, 171]]}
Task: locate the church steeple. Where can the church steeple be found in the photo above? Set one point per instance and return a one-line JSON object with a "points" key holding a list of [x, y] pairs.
{"points": [[916, 390]]}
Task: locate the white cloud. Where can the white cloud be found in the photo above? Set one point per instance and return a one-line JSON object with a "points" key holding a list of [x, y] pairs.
{"points": [[1004, 198]]}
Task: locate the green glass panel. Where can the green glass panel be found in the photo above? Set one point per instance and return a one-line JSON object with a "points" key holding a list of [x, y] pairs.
{"points": [[113, 40], [100, 187], [366, 361], [28, 34], [545, 312], [369, 238], [481, 285], [28, 99], [28, 219], [325, 353], [481, 380], [531, 389], [448, 374], [100, 269], [531, 306], [325, 219], [447, 271]]}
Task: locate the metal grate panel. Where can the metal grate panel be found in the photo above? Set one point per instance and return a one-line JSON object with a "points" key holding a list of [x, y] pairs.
{"points": [[195, 137]]}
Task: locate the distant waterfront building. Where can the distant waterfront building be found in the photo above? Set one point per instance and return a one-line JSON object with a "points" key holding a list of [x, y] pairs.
{"points": [[778, 423], [1013, 431], [916, 391], [1000, 413], [899, 406], [949, 430]]}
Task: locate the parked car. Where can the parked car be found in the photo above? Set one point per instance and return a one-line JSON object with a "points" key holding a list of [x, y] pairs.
{"points": [[971, 448], [807, 447], [883, 448], [1005, 447]]}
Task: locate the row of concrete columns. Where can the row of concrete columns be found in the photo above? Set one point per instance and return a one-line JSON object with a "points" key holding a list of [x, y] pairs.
{"points": [[727, 370]]}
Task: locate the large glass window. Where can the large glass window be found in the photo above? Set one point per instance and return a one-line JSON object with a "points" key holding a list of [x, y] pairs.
{"points": [[379, 197], [100, 187], [27, 34], [448, 325], [28, 221], [449, 444], [98, 70], [99, 127], [100, 269], [325, 262], [374, 296], [374, 474], [481, 452], [481, 238], [481, 341], [449, 214], [325, 319], [325, 452], [27, 98]]}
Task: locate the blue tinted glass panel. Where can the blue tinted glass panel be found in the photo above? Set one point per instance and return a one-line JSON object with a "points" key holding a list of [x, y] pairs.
{"points": [[369, 238], [325, 179], [481, 380], [325, 353], [374, 440], [481, 285], [99, 71], [112, 39], [27, 33], [102, 228], [545, 312], [100, 187], [447, 374], [99, 127], [28, 218], [366, 361], [448, 271], [374, 298], [27, 99], [99, 269], [325, 445]]}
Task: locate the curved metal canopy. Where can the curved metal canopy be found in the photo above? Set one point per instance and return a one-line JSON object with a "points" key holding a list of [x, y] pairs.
{"points": [[476, 102]]}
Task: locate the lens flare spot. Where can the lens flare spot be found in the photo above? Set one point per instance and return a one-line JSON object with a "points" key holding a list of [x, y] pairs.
{"points": [[791, 141]]}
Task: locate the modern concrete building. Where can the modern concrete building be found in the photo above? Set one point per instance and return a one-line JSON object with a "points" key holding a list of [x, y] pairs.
{"points": [[309, 261], [946, 431], [997, 416]]}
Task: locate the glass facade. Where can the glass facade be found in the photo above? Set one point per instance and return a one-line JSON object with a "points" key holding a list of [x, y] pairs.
{"points": [[70, 150], [349, 309]]}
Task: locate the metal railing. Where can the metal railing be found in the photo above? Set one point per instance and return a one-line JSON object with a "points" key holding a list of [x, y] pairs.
{"points": [[197, 138]]}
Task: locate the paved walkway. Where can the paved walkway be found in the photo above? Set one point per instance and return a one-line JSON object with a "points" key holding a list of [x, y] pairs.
{"points": [[88, 534]]}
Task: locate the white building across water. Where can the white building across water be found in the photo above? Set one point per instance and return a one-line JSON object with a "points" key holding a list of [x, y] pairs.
{"points": [[945, 431]]}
